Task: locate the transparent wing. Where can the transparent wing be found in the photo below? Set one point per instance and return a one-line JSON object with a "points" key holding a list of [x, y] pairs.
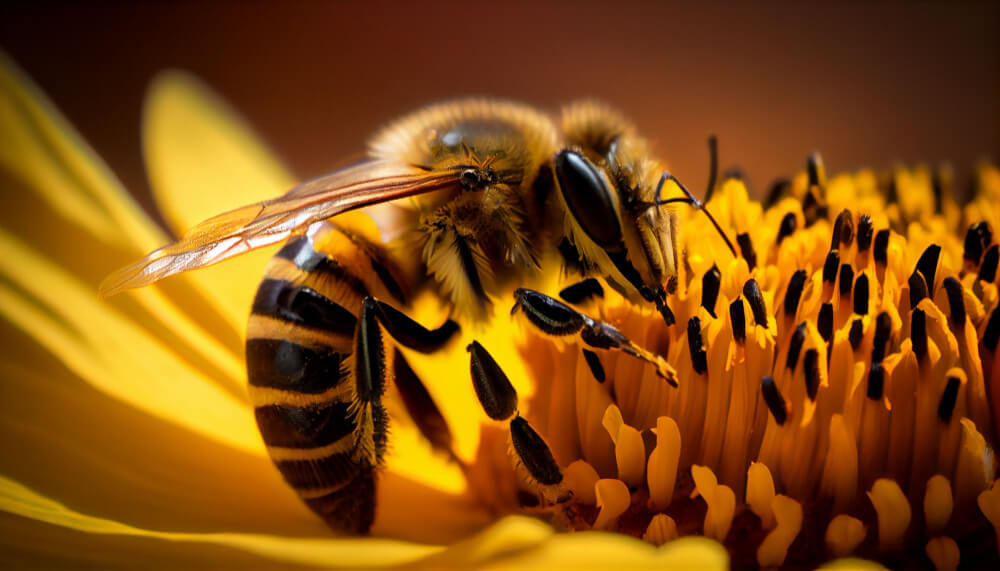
{"points": [[256, 225]]}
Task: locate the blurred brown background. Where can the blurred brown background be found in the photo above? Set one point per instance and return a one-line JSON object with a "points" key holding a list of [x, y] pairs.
{"points": [[865, 84]]}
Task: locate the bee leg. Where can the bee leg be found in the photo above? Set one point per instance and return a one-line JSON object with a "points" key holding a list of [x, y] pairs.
{"points": [[408, 332], [421, 406], [558, 319], [531, 456], [417, 400]]}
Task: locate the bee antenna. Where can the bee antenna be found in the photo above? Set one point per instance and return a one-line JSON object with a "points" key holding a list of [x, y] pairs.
{"points": [[689, 198], [713, 166]]}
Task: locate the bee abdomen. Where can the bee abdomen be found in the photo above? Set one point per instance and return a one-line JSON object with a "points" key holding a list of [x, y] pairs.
{"points": [[322, 437]]}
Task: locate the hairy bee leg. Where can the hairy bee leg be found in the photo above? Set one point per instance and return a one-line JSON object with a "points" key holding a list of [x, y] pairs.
{"points": [[408, 332], [421, 406], [495, 392], [558, 319], [417, 400], [531, 456]]}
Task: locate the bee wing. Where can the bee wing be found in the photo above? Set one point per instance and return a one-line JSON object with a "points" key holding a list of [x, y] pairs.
{"points": [[256, 225]]}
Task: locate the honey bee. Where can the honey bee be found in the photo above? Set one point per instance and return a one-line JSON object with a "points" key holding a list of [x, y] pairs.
{"points": [[491, 188]]}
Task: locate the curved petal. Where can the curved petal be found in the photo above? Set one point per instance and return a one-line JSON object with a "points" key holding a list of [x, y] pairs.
{"points": [[321, 552], [203, 159], [113, 353], [62, 200], [42, 150]]}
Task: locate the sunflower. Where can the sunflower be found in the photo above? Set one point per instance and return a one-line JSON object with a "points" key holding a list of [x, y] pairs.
{"points": [[833, 390]]}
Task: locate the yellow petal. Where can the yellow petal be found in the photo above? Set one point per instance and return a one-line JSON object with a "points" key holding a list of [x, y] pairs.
{"points": [[854, 565], [592, 550], [202, 160], [348, 553], [41, 151], [104, 457], [112, 353], [66, 204]]}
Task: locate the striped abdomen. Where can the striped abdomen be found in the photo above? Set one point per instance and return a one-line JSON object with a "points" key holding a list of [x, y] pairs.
{"points": [[325, 435]]}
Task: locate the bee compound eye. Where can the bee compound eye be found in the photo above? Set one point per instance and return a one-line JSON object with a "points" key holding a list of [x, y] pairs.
{"points": [[469, 179], [590, 199]]}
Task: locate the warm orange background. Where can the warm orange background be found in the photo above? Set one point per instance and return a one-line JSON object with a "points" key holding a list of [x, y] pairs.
{"points": [[865, 84]]}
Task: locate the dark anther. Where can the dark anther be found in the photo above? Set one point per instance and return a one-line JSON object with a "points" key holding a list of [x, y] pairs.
{"points": [[777, 189], [469, 179], [956, 301], [814, 168], [739, 320], [843, 230], [795, 346], [918, 288], [918, 333], [710, 283], [496, 394], [671, 285], [937, 189], [813, 206], [865, 232], [947, 405], [988, 271], [551, 316], [788, 225], [824, 322], [699, 359], [992, 334], [811, 366], [973, 250], [857, 333], [713, 166], [794, 292], [861, 295], [410, 333], [881, 252], [594, 362], [756, 300], [830, 266], [369, 354], [883, 327], [534, 453], [667, 314], [846, 279], [582, 292], [775, 402], [746, 250], [876, 382], [927, 265], [985, 233]]}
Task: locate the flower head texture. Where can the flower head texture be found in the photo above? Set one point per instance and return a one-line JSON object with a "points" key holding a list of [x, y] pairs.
{"points": [[835, 391]]}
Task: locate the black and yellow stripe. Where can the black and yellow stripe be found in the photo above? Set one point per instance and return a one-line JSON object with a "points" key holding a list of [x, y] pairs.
{"points": [[324, 431]]}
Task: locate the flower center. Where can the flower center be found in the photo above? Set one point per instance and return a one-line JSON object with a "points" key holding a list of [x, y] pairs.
{"points": [[831, 398]]}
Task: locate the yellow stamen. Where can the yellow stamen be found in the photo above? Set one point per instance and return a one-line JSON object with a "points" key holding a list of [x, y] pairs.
{"points": [[944, 553]]}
